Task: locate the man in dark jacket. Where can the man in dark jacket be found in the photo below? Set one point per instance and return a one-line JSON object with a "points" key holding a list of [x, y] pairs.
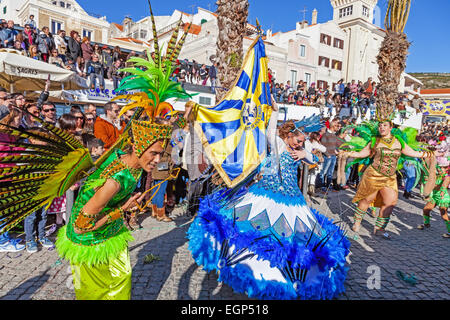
{"points": [[74, 47], [95, 71], [213, 77], [107, 59], [8, 35]]}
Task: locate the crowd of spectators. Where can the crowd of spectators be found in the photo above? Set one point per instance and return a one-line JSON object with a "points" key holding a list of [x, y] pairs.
{"points": [[71, 52], [196, 73]]}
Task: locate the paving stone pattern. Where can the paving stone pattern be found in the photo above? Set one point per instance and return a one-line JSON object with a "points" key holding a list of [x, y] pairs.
{"points": [[43, 276]]}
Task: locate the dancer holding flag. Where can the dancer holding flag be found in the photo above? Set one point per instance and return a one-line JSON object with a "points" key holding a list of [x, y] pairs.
{"points": [[262, 239]]}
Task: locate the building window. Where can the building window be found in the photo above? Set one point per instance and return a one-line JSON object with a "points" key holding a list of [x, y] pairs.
{"points": [[87, 34], [322, 85], [205, 101], [302, 50], [324, 62], [293, 77], [308, 79], [325, 39], [54, 3], [338, 43], [4, 10], [336, 65], [68, 5], [62, 4], [55, 26], [143, 34], [365, 11], [347, 11]]}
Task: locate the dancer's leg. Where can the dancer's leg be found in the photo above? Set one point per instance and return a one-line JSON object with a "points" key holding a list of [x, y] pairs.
{"points": [[444, 216], [426, 215], [363, 205], [389, 202]]}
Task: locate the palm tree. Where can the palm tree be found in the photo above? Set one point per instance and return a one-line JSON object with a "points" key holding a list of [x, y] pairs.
{"points": [[392, 56], [232, 22]]}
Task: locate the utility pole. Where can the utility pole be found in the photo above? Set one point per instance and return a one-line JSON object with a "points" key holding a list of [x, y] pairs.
{"points": [[192, 6], [304, 13]]}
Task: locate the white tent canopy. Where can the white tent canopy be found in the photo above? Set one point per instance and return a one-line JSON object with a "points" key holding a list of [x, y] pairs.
{"points": [[19, 73]]}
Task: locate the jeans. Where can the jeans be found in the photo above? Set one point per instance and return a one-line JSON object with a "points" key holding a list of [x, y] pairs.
{"points": [[329, 163], [116, 82], [213, 85], [94, 76], [158, 199], [29, 224], [410, 177]]}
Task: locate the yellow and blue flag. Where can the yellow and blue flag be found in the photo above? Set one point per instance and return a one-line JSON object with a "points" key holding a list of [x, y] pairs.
{"points": [[233, 132]]}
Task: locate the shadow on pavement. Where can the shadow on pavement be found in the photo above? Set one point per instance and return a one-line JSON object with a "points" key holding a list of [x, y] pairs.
{"points": [[27, 289]]}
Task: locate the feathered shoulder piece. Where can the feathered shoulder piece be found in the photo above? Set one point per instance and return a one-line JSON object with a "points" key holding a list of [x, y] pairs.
{"points": [[311, 124], [40, 165]]}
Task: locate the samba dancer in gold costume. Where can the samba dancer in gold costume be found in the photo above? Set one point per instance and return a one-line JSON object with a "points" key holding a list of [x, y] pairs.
{"points": [[378, 186]]}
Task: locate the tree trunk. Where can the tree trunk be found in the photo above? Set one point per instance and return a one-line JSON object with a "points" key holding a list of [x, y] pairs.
{"points": [[391, 63], [232, 22]]}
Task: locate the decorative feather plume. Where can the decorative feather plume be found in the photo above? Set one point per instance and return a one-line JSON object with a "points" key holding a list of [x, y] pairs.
{"points": [[33, 174]]}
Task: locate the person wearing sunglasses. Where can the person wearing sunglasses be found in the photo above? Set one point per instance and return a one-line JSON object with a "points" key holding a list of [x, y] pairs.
{"points": [[89, 123], [49, 112], [57, 60], [29, 37]]}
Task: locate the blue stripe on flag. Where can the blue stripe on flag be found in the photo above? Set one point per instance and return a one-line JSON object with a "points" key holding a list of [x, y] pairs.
{"points": [[260, 140], [244, 81], [265, 95], [228, 104], [217, 131], [260, 48], [256, 71], [234, 163]]}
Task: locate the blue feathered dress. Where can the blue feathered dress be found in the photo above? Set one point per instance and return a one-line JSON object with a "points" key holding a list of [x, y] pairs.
{"points": [[267, 243]]}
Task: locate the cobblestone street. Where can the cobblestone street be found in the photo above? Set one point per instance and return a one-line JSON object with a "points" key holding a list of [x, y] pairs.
{"points": [[43, 276]]}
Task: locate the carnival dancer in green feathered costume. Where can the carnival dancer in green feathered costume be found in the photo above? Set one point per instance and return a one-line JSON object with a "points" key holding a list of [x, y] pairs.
{"points": [[95, 240], [382, 149], [439, 197]]}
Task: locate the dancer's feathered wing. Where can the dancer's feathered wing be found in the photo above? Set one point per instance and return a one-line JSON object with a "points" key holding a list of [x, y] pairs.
{"points": [[37, 171]]}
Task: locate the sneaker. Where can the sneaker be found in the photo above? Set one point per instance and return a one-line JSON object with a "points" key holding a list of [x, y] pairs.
{"points": [[11, 246], [446, 235], [46, 243], [31, 246]]}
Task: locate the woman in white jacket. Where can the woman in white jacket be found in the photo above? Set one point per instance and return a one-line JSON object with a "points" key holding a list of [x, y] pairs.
{"points": [[60, 42]]}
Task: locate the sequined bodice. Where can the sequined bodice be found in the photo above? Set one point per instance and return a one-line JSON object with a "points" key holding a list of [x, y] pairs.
{"points": [[283, 180], [386, 160]]}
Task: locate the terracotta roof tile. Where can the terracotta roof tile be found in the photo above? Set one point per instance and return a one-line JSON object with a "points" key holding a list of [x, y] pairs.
{"points": [[195, 29], [435, 91], [120, 27]]}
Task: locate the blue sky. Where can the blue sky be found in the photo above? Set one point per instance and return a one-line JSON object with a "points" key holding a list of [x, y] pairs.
{"points": [[428, 27]]}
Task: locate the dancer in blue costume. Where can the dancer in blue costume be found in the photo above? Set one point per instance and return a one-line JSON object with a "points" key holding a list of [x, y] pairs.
{"points": [[264, 240]]}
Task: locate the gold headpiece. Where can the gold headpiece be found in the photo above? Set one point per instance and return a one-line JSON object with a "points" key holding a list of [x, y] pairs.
{"points": [[146, 133]]}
